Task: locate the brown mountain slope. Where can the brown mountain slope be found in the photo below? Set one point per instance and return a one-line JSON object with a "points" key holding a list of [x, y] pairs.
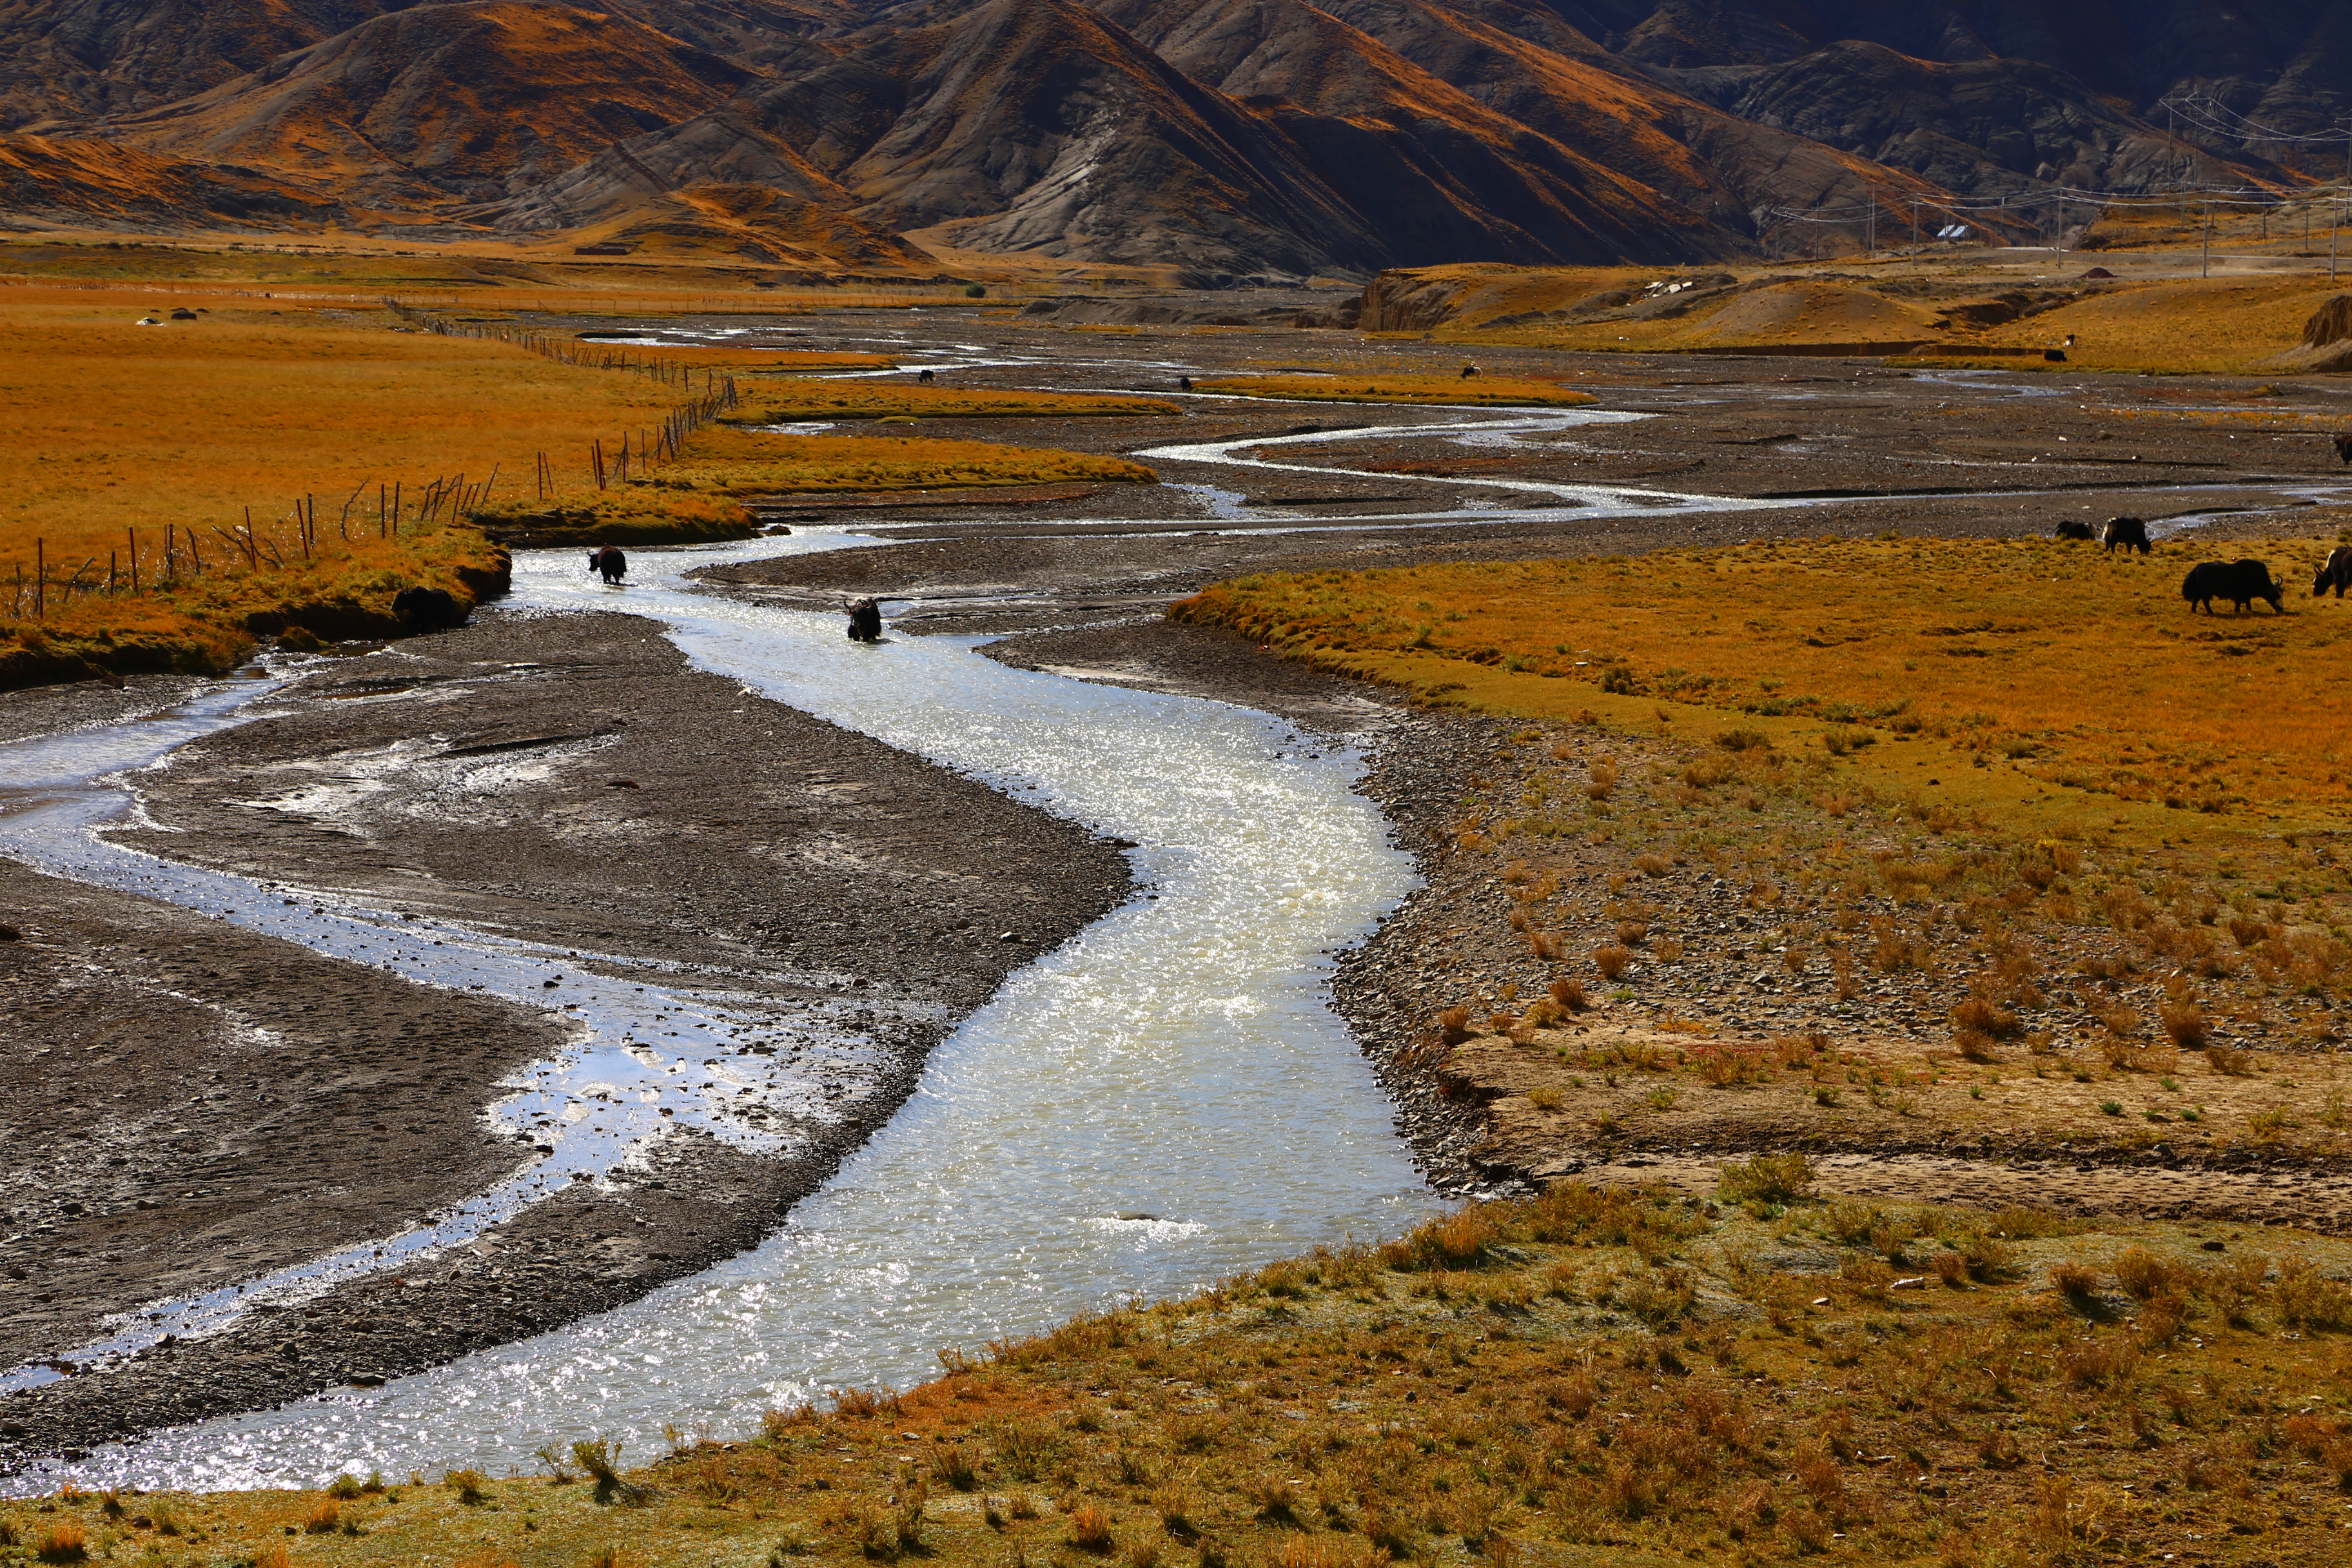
{"points": [[1230, 137], [98, 183], [477, 99], [74, 58]]}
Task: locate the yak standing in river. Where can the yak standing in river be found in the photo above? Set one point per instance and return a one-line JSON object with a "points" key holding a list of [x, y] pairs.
{"points": [[609, 564], [2240, 582], [2124, 534], [866, 621], [2335, 572]]}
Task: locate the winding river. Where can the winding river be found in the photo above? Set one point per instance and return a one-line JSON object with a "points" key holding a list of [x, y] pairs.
{"points": [[1164, 1101]]}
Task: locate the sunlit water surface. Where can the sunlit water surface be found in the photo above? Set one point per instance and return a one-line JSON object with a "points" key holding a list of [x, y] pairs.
{"points": [[1163, 1100]]}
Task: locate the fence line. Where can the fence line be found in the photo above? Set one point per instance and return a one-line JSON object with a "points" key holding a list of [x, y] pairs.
{"points": [[653, 447], [294, 537]]}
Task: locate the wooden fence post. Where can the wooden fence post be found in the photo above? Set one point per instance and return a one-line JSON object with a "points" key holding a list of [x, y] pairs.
{"points": [[133, 534], [40, 577]]}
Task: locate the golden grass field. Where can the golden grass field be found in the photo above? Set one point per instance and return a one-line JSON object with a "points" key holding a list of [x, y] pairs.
{"points": [[755, 463], [128, 439], [1477, 391], [118, 433], [2063, 680], [1586, 1378], [795, 402]]}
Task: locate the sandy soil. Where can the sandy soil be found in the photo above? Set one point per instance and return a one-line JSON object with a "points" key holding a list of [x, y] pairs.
{"points": [[814, 870]]}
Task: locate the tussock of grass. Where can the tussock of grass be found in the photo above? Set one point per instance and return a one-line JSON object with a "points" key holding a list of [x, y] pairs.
{"points": [[1497, 390], [791, 401], [1589, 1370], [753, 463]]}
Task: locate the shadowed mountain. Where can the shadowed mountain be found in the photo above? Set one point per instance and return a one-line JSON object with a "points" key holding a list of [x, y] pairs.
{"points": [[478, 101], [73, 59], [2285, 63], [1229, 138]]}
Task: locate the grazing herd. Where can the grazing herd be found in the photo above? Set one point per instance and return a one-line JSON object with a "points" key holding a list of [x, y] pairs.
{"points": [[2240, 582], [2115, 533]]}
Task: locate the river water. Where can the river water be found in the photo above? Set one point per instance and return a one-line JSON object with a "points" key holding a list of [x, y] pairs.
{"points": [[1164, 1101]]}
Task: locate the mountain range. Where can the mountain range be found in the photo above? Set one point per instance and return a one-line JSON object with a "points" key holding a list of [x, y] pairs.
{"points": [[1231, 139]]}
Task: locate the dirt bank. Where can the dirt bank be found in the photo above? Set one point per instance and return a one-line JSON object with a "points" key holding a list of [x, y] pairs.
{"points": [[471, 777]]}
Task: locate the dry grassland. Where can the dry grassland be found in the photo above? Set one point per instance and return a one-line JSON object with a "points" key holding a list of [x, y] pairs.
{"points": [[109, 425], [127, 440], [1979, 841], [788, 401], [758, 463], [1475, 391], [2047, 664], [2221, 324], [139, 451], [1633, 1378]]}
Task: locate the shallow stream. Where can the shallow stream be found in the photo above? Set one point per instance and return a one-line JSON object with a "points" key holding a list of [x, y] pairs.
{"points": [[1162, 1101]]}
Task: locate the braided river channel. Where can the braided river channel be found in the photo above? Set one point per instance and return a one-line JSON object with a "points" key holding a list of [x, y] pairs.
{"points": [[1164, 1101]]}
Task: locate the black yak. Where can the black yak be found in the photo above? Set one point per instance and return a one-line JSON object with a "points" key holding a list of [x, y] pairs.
{"points": [[609, 564], [866, 621], [925, 378], [423, 609], [2124, 534], [2070, 528], [2344, 448], [2335, 572], [2240, 582], [1469, 371]]}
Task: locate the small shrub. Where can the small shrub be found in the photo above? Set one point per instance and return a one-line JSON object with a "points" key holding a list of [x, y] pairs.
{"points": [[601, 1462], [2074, 1280], [2230, 1061], [2184, 1022], [1570, 993], [1767, 1178], [1744, 741], [1974, 1044], [1985, 1018], [1653, 865], [471, 1486], [1544, 1097], [62, 1543], [1453, 1025], [2144, 1275], [954, 1466], [344, 1487], [1090, 1529], [2268, 1125], [975, 292], [1612, 959], [1278, 1503], [324, 1519]]}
